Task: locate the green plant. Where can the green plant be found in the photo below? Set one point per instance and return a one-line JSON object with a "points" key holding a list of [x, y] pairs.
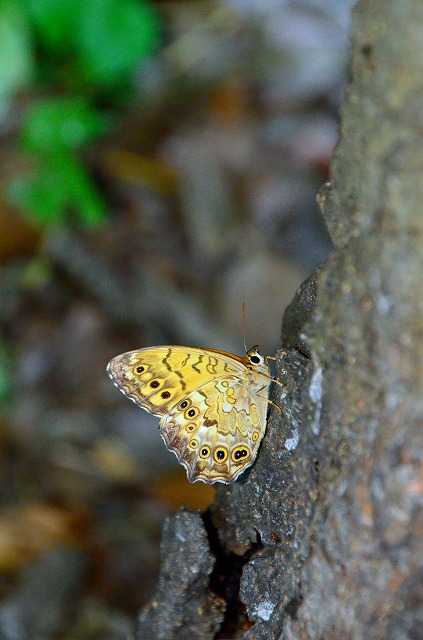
{"points": [[5, 375], [80, 54]]}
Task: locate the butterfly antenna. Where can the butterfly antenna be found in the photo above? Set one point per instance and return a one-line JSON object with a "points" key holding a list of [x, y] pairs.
{"points": [[243, 324]]}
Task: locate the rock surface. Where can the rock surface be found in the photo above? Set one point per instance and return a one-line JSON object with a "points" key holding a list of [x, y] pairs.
{"points": [[322, 537], [183, 607]]}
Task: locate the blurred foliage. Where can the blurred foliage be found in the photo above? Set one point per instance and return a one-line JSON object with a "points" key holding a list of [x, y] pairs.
{"points": [[15, 57], [87, 51], [59, 125], [52, 130], [5, 374]]}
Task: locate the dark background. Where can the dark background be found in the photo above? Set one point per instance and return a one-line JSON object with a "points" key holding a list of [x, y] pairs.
{"points": [[145, 193]]}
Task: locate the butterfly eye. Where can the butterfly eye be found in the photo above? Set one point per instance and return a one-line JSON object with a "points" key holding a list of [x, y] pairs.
{"points": [[193, 444], [190, 427], [140, 369], [154, 384], [184, 404], [192, 413], [255, 436], [240, 453], [205, 451], [165, 395], [254, 356], [220, 454]]}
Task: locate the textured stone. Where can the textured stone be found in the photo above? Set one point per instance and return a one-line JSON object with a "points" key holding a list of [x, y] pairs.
{"points": [[183, 607], [327, 524]]}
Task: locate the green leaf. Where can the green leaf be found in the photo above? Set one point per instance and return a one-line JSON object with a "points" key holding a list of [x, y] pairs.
{"points": [[39, 197], [5, 375], [114, 36], [60, 186], [61, 123], [15, 52], [55, 21]]}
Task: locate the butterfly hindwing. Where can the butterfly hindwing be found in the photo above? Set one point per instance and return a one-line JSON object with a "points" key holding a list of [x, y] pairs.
{"points": [[216, 436]]}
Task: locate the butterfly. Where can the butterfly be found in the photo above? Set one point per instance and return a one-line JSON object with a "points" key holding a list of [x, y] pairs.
{"points": [[212, 404]]}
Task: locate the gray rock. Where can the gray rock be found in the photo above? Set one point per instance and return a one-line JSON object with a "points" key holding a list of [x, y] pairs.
{"points": [[183, 607], [326, 526]]}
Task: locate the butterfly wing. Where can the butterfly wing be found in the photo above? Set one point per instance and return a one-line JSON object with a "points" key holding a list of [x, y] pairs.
{"points": [[213, 406], [158, 378], [218, 435]]}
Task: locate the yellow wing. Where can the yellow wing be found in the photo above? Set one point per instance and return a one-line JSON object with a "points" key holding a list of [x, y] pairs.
{"points": [[157, 378], [217, 435], [213, 405]]}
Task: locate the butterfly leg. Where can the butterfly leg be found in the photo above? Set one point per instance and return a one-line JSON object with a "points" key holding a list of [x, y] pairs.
{"points": [[275, 380], [283, 354], [273, 404]]}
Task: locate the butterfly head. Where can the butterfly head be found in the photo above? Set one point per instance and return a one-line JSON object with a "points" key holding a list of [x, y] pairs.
{"points": [[254, 357]]}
